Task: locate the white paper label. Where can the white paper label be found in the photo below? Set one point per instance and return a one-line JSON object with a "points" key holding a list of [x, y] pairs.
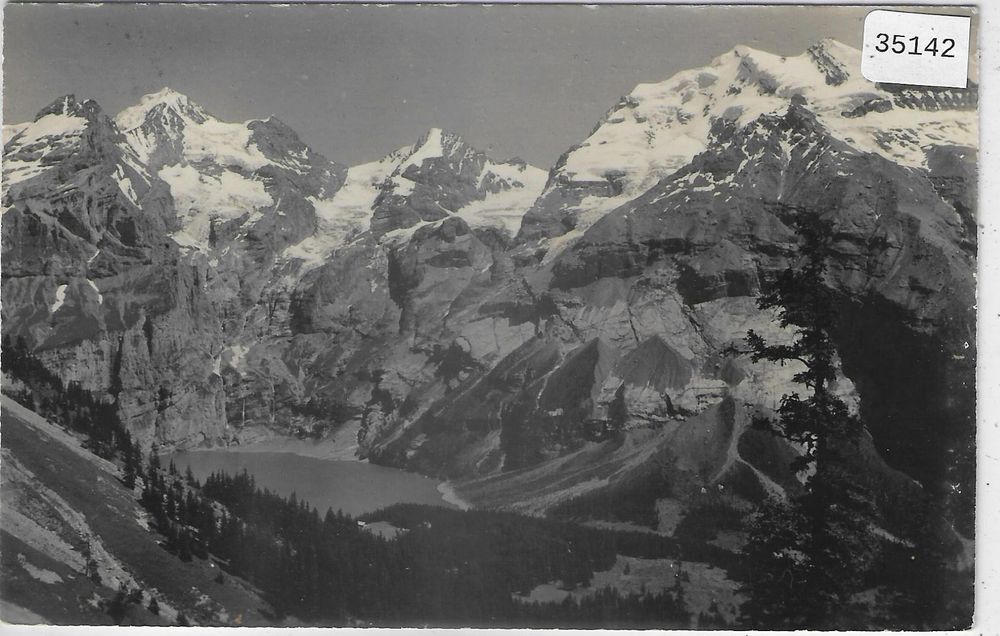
{"points": [[916, 48]]}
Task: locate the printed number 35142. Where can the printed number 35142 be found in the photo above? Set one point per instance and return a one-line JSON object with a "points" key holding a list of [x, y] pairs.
{"points": [[901, 44]]}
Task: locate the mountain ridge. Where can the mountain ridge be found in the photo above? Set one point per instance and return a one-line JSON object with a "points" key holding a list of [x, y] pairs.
{"points": [[473, 317], [660, 126]]}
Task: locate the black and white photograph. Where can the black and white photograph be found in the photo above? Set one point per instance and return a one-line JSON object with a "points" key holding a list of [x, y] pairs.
{"points": [[496, 316]]}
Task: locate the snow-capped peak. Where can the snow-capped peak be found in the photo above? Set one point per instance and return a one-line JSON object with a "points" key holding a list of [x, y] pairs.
{"points": [[169, 126], [69, 106], [167, 99], [32, 148], [208, 164], [453, 179], [65, 105], [742, 50], [659, 127], [843, 52], [450, 153], [430, 146], [166, 95]]}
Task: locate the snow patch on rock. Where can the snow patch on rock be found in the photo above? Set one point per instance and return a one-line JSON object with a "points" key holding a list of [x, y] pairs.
{"points": [[100, 297], [505, 209], [125, 185], [60, 299], [201, 198], [431, 148], [54, 133], [345, 215]]}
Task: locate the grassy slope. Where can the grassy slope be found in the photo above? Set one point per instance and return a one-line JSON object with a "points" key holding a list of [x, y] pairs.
{"points": [[53, 468]]}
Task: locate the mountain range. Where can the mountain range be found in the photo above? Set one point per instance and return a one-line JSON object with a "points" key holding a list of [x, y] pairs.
{"points": [[487, 322]]}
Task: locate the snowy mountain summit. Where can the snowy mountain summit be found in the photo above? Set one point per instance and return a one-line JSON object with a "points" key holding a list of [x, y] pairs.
{"points": [[444, 176], [166, 103], [438, 177], [228, 178], [257, 183], [660, 127], [224, 174]]}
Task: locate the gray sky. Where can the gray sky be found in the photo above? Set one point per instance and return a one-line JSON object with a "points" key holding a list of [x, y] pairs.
{"points": [[359, 81]]}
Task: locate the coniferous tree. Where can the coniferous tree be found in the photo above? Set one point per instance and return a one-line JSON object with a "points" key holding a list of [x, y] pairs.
{"points": [[154, 464], [806, 557], [129, 468], [137, 459], [118, 605], [712, 617], [189, 478], [90, 564], [184, 545], [682, 577]]}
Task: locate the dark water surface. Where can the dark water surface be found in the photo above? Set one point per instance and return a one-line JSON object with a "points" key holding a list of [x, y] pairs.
{"points": [[351, 486]]}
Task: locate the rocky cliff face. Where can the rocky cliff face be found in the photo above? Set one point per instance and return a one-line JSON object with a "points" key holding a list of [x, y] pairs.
{"points": [[542, 340], [92, 279], [640, 309], [72, 194]]}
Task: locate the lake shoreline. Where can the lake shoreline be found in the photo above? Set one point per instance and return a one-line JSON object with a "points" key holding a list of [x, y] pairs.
{"points": [[449, 495], [353, 485], [342, 445]]}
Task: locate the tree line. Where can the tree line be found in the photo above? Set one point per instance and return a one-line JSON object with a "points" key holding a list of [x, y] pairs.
{"points": [[71, 405], [446, 567], [449, 567]]}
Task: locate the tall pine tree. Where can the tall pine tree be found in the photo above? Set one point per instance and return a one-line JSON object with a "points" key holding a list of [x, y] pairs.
{"points": [[806, 557]]}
